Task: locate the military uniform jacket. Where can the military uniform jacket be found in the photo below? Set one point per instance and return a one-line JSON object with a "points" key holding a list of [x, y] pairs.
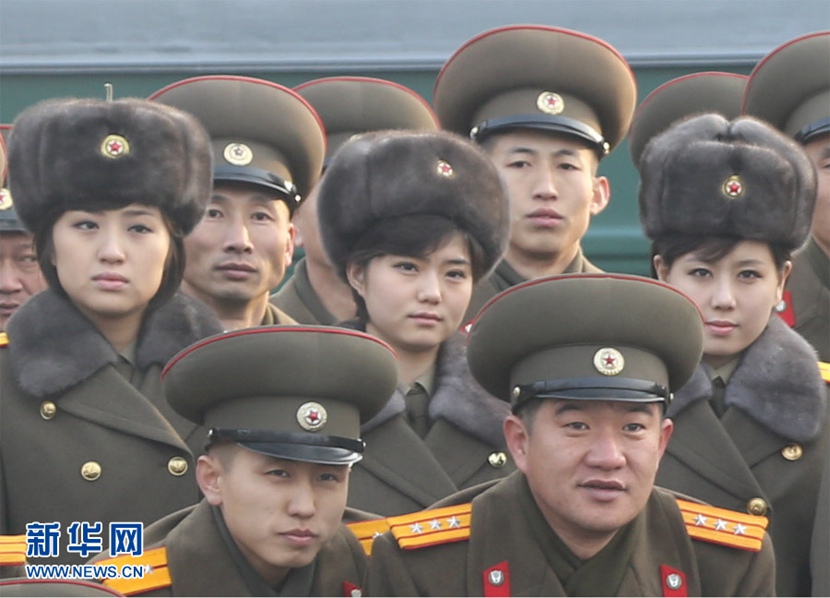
{"points": [[78, 442], [401, 472], [820, 550], [275, 316], [504, 277], [192, 554], [507, 550], [809, 297], [299, 300], [767, 453]]}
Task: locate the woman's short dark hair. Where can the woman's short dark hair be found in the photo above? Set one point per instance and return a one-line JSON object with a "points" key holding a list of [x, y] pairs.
{"points": [[416, 236], [173, 266], [708, 248]]}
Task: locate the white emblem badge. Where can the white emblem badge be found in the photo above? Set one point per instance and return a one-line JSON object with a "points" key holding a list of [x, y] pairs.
{"points": [[608, 361], [550, 103], [674, 581], [311, 416], [115, 146], [6, 202], [238, 154], [444, 169], [496, 577]]}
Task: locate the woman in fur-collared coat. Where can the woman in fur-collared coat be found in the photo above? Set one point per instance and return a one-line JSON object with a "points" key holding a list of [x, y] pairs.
{"points": [[411, 221], [726, 202], [109, 189]]}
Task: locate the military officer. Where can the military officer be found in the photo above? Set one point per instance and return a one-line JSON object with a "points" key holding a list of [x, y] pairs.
{"points": [[588, 383], [268, 147], [283, 406], [109, 190], [790, 89], [348, 106], [547, 104], [20, 275], [725, 203]]}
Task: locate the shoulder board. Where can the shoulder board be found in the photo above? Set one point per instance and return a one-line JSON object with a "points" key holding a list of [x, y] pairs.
{"points": [[722, 526], [430, 528], [367, 531], [12, 550], [824, 370], [156, 573], [4, 339]]}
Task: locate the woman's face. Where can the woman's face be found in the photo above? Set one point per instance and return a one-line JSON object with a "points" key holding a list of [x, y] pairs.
{"points": [[736, 294], [111, 263], [414, 304]]}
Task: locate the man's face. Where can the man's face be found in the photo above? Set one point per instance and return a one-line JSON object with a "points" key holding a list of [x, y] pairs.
{"points": [[553, 193], [819, 152], [590, 464], [280, 513], [20, 275], [241, 248]]}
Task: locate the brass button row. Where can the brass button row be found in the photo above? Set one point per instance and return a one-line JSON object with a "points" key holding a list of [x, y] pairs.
{"points": [[91, 470]]}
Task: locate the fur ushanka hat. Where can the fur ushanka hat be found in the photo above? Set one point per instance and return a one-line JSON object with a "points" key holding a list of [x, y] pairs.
{"points": [[380, 176], [86, 154], [739, 178]]}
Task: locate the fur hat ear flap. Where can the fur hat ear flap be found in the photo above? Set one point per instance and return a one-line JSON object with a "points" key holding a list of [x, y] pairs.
{"points": [[740, 178], [389, 175], [95, 155]]}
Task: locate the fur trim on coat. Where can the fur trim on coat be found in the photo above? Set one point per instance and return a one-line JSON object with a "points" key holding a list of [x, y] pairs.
{"points": [[777, 383], [53, 346], [458, 399]]}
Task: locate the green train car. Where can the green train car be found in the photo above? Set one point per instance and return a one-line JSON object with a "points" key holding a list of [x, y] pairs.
{"points": [[58, 48]]}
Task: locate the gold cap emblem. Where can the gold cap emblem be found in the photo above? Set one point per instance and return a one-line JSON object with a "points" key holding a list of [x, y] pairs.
{"points": [[550, 103], [311, 416], [608, 361], [115, 146], [444, 169], [733, 187], [238, 154], [6, 202]]}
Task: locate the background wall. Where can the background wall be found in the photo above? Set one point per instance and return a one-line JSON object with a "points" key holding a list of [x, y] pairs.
{"points": [[52, 48]]}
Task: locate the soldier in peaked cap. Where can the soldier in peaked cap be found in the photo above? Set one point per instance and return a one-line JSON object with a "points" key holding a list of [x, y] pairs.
{"points": [[725, 203], [348, 106], [20, 275], [588, 384], [283, 406], [268, 145], [412, 221], [790, 89], [547, 104], [109, 190]]}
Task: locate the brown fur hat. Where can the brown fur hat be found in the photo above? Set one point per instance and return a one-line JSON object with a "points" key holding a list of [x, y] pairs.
{"points": [[739, 178], [395, 174], [87, 154]]}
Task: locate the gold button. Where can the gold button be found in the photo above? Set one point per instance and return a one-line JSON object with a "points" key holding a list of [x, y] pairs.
{"points": [[757, 506], [91, 471], [792, 452], [497, 459], [177, 466], [48, 409]]}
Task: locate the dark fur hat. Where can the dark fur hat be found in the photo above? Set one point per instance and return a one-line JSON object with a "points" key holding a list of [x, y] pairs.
{"points": [[89, 154], [387, 175], [739, 178]]}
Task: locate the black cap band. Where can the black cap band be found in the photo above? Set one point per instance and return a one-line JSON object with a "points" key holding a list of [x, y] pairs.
{"points": [[267, 436], [549, 122], [260, 177], [818, 127], [598, 388]]}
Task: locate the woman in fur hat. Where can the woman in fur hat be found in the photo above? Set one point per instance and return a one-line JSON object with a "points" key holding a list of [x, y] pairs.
{"points": [[725, 203], [412, 221], [109, 190]]}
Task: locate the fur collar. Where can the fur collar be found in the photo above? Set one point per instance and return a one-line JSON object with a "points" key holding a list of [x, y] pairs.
{"points": [[53, 347], [458, 398], [777, 383]]}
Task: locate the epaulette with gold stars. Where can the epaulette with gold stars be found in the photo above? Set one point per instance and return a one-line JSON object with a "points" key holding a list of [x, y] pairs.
{"points": [[367, 531], [4, 339], [156, 573], [429, 528], [12, 551], [722, 526], [824, 370]]}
